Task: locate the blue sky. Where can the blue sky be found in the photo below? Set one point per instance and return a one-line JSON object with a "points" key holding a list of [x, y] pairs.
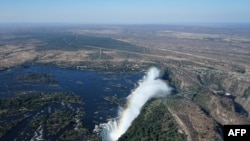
{"points": [[125, 11]]}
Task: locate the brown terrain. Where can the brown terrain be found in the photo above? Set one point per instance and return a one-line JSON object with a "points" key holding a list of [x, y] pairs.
{"points": [[208, 66]]}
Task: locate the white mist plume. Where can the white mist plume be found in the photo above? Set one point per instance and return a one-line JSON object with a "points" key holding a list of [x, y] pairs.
{"points": [[150, 86]]}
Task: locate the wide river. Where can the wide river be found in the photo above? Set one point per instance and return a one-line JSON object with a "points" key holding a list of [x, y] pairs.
{"points": [[91, 86]]}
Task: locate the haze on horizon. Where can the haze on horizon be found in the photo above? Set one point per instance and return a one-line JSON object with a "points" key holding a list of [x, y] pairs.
{"points": [[124, 11]]}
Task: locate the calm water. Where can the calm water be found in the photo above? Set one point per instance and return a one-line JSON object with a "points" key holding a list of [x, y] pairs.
{"points": [[90, 85]]}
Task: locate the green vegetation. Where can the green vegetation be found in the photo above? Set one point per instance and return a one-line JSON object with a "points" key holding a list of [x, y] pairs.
{"points": [[79, 135], [246, 93], [114, 100], [35, 101], [212, 78], [154, 123], [173, 81], [202, 100], [37, 78], [7, 126], [238, 68], [37, 122], [22, 108], [59, 120]]}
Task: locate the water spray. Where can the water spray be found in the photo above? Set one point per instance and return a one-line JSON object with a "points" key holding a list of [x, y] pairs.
{"points": [[151, 86]]}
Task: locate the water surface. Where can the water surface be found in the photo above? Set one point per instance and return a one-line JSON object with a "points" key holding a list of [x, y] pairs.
{"points": [[91, 86]]}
